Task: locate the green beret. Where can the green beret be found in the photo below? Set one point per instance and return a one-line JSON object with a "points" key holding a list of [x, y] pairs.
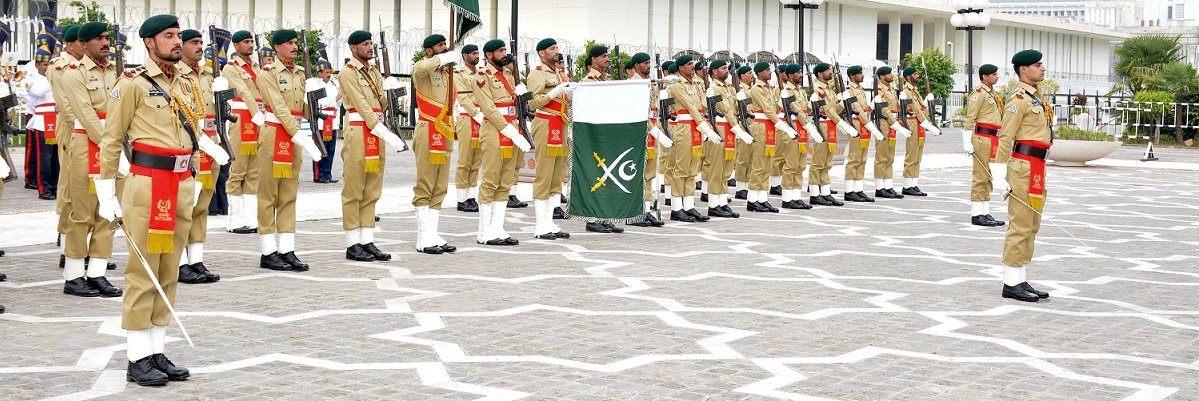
{"points": [[640, 58], [884, 70], [673, 68], [283, 36], [819, 68], [717, 64], [546, 43], [469, 49], [907, 72], [743, 69], [358, 37], [432, 40], [493, 45], [70, 33], [189, 34], [987, 69], [761, 66], [682, 60], [597, 50], [666, 66], [241, 35], [1026, 57], [628, 64], [793, 69], [855, 70], [93, 29], [152, 26]]}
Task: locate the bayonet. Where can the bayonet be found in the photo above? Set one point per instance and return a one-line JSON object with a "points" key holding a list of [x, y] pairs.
{"points": [[393, 113]]}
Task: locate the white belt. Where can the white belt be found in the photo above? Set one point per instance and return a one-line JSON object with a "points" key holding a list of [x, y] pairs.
{"points": [[684, 117], [507, 111], [79, 125], [760, 116], [354, 117], [241, 105], [720, 119], [45, 109], [272, 118]]}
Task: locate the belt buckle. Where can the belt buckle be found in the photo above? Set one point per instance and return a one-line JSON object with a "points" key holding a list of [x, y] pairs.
{"points": [[210, 124], [511, 110], [379, 116], [182, 163]]}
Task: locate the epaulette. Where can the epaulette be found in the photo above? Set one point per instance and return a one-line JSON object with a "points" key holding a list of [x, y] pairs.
{"points": [[349, 66], [1018, 95], [74, 66], [539, 68], [266, 68]]}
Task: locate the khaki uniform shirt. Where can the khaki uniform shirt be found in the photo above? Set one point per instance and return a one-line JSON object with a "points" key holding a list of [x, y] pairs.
{"points": [[464, 82], [243, 81], [890, 113], [283, 91], [86, 87], [801, 107], [765, 99], [433, 81], [983, 107], [1028, 117], [541, 80], [832, 106], [54, 74], [862, 104], [917, 106], [594, 75], [489, 91], [687, 96], [362, 90], [146, 118], [727, 107]]}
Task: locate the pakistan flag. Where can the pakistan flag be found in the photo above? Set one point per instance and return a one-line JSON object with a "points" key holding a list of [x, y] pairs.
{"points": [[608, 149]]}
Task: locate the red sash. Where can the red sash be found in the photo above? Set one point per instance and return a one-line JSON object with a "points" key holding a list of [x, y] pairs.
{"points": [[771, 135], [327, 123], [49, 121], [93, 150], [475, 127], [993, 137], [730, 144], [249, 131], [204, 175], [831, 137], [863, 133], [429, 111], [250, 70], [919, 130], [1036, 178], [651, 144], [370, 142], [697, 139], [506, 143], [284, 153], [164, 190], [555, 114]]}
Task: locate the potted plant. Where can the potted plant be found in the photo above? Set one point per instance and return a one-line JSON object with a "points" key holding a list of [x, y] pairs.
{"points": [[1074, 146]]}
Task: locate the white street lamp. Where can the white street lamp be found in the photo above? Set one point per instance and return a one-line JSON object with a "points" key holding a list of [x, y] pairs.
{"points": [[970, 17]]}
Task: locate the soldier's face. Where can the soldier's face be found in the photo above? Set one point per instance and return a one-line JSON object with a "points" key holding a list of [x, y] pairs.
{"points": [[549, 55], [826, 75], [288, 51], [858, 78], [990, 79], [602, 61], [268, 60], [642, 68], [97, 47], [438, 49], [499, 57], [887, 78], [364, 51], [471, 59], [166, 45], [747, 78], [245, 47], [1035, 72], [912, 78], [193, 50], [685, 69], [721, 73]]}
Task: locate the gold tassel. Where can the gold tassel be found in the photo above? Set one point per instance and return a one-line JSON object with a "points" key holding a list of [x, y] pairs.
{"points": [[91, 186], [436, 158], [282, 170], [697, 151], [161, 243], [922, 142], [474, 144], [769, 150], [891, 142], [372, 165], [1037, 202], [832, 148], [555, 151], [249, 148], [506, 153], [728, 154], [52, 141], [803, 147], [650, 154], [864, 144], [206, 179]]}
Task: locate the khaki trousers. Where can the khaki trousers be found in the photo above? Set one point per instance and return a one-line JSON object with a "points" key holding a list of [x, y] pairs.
{"points": [[884, 157], [199, 225], [684, 165], [243, 172], [469, 157], [142, 307], [432, 180], [551, 170], [276, 196], [859, 150], [1023, 221], [360, 190], [980, 176], [717, 169], [914, 151], [822, 160], [85, 209], [795, 161], [499, 174]]}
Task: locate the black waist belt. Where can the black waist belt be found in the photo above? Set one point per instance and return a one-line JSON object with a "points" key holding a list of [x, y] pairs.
{"points": [[161, 162], [1030, 151], [986, 131]]}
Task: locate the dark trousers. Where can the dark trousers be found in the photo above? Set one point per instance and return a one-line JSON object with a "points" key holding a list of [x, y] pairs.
{"points": [[323, 170], [41, 163], [220, 200]]}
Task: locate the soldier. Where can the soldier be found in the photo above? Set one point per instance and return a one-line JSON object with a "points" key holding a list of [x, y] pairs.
{"points": [[687, 131], [496, 95], [466, 178], [267, 55], [1023, 144], [743, 156], [242, 186], [918, 123], [551, 99], [641, 70], [981, 134], [362, 161], [283, 87], [884, 151], [855, 165], [819, 185], [322, 172], [208, 161], [86, 85], [64, 128], [4, 173], [159, 110], [795, 151], [720, 155], [39, 98], [597, 62], [766, 123]]}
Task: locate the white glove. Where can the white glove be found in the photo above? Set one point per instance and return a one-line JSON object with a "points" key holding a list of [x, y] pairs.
{"points": [[123, 167], [742, 135], [106, 192], [847, 128], [903, 95], [877, 99], [844, 95], [966, 144], [929, 128], [452, 56], [478, 118], [783, 94], [663, 95], [4, 171], [517, 139], [313, 84], [390, 83], [708, 132], [874, 132], [220, 84], [213, 150], [781, 125], [814, 98], [389, 137], [304, 139], [258, 119], [665, 140], [742, 96], [711, 92], [928, 98], [813, 132], [558, 91], [901, 130], [521, 89]]}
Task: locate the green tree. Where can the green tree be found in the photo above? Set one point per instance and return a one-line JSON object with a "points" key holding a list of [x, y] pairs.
{"points": [[1140, 60], [1181, 80], [87, 13], [940, 70], [581, 66]]}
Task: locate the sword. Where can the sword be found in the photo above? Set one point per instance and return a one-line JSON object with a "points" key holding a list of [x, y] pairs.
{"points": [[1008, 195], [154, 279]]}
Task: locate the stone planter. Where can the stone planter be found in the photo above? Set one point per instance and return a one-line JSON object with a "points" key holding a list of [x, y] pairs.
{"points": [[1073, 153]]}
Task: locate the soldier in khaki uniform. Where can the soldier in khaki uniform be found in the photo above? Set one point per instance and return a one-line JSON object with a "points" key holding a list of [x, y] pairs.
{"points": [[794, 152], [86, 86], [819, 185], [743, 81], [641, 69], [283, 88], [884, 151], [432, 141], [64, 127], [855, 165], [364, 99], [160, 110], [242, 187], [466, 130], [721, 155], [597, 63], [496, 89], [765, 127], [980, 140], [920, 124], [688, 131], [551, 145], [207, 162], [1023, 144]]}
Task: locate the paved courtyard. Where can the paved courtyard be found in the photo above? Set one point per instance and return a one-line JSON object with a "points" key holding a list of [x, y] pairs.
{"points": [[897, 299]]}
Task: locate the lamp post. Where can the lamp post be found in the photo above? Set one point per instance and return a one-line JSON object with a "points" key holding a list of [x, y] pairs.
{"points": [[801, 5], [970, 17]]}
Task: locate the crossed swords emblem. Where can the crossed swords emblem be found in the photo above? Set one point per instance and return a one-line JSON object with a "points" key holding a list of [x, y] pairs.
{"points": [[602, 163]]}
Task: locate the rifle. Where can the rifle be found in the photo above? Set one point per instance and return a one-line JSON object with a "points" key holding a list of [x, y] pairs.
{"points": [[742, 105], [904, 104], [118, 50], [932, 104], [258, 48], [664, 116], [6, 131], [876, 114], [711, 114], [523, 112], [787, 101], [314, 97], [393, 112], [847, 111], [221, 99]]}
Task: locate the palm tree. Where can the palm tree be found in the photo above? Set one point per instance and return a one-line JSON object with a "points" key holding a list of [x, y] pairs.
{"points": [[1140, 60], [1182, 80]]}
